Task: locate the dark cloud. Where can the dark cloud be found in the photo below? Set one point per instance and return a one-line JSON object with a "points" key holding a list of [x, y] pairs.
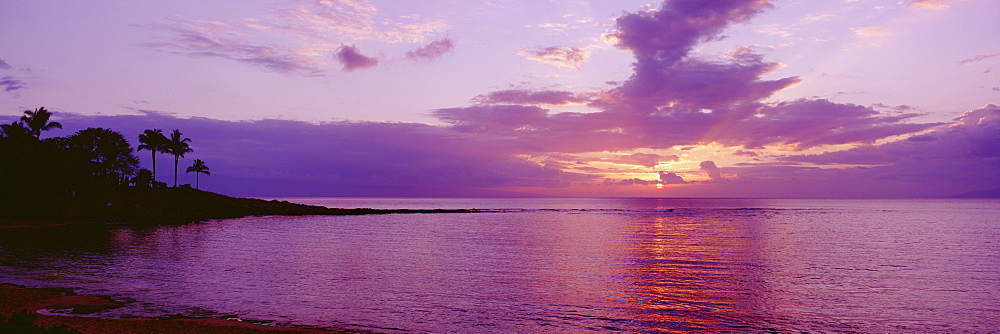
{"points": [[352, 58], [663, 37], [671, 178], [950, 159], [714, 172], [700, 84], [4, 65], [973, 136], [431, 51], [10, 84], [673, 99]]}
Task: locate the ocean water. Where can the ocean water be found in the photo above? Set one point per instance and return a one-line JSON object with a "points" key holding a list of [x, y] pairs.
{"points": [[552, 266]]}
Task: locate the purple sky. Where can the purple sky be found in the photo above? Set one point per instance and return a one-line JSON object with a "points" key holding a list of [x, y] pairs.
{"points": [[684, 98]]}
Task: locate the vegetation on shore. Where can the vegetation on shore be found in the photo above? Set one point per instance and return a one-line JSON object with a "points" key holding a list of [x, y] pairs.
{"points": [[93, 176]]}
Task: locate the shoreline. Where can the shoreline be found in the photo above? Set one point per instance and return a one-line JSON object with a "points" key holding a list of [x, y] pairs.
{"points": [[167, 206], [19, 306]]}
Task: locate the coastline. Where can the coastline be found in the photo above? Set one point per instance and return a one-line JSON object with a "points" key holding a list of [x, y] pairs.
{"points": [[24, 303], [155, 206], [63, 311]]}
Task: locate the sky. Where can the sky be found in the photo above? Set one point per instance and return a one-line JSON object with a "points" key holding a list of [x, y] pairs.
{"points": [[680, 98]]}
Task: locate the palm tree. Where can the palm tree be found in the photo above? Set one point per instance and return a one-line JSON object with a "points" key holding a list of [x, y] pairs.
{"points": [[154, 141], [198, 167], [15, 130], [38, 121], [178, 146]]}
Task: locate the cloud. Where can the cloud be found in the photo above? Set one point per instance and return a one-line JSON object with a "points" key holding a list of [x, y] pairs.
{"points": [[431, 51], [629, 182], [673, 99], [700, 83], [948, 160], [665, 36], [349, 20], [973, 135], [714, 172], [4, 65], [222, 40], [353, 59], [521, 96], [980, 57], [558, 56], [926, 4], [497, 119], [671, 178], [871, 32], [10, 84]]}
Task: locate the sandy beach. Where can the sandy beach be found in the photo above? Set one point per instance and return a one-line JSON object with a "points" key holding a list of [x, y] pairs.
{"points": [[14, 299]]}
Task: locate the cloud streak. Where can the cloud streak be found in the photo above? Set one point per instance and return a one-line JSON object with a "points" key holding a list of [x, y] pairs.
{"points": [[927, 4], [521, 96], [431, 51], [558, 56], [218, 40], [979, 57], [10, 84]]}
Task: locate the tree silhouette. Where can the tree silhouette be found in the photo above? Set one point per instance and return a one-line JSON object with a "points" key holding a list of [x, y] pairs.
{"points": [[154, 141], [198, 167], [144, 178], [178, 146], [38, 121], [108, 151], [15, 130]]}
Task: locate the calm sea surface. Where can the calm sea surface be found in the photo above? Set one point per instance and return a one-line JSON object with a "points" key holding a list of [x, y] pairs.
{"points": [[552, 265]]}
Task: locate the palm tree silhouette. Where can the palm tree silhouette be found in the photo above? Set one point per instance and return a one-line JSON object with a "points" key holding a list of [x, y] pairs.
{"points": [[15, 130], [198, 167], [38, 121], [154, 141], [178, 146]]}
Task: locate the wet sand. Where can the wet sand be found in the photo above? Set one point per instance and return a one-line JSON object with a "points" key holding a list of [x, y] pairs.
{"points": [[14, 298]]}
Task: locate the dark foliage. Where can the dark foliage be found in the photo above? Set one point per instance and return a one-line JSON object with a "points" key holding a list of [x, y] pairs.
{"points": [[24, 323], [109, 153], [85, 177]]}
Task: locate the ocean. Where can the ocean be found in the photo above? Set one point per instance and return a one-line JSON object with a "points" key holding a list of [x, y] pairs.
{"points": [[551, 266]]}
